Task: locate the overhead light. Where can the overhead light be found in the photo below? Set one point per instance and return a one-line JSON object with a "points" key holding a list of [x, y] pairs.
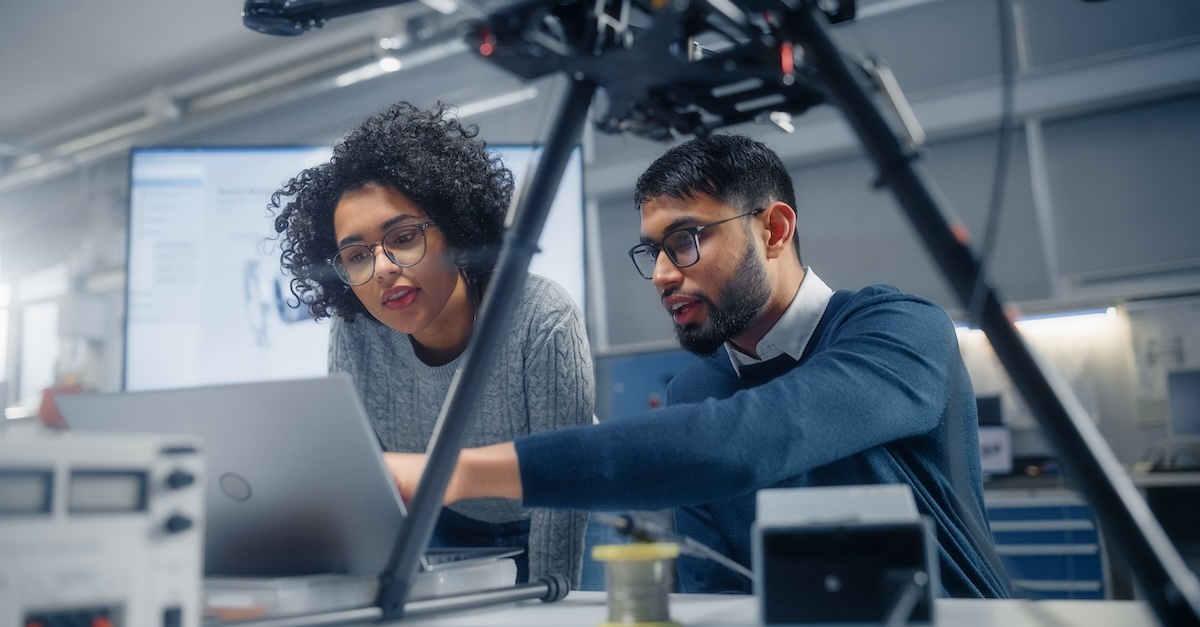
{"points": [[390, 64], [1058, 323], [29, 167], [888, 6], [485, 105], [371, 70], [445, 7], [1073, 322], [28, 161], [31, 174], [107, 135]]}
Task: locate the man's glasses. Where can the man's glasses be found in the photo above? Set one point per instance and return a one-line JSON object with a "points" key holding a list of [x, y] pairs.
{"points": [[403, 245], [681, 245]]}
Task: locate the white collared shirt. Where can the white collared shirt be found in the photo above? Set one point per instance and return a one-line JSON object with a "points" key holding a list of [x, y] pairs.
{"points": [[793, 331]]}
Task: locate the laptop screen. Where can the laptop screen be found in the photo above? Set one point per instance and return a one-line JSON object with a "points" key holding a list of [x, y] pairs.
{"points": [[296, 482]]}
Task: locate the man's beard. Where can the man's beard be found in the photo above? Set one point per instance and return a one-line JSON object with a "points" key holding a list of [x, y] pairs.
{"points": [[742, 299]]}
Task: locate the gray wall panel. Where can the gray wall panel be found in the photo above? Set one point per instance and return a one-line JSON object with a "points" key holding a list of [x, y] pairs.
{"points": [[1069, 30], [1125, 189]]}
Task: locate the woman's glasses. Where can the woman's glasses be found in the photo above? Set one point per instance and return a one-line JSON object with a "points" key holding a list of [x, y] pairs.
{"points": [[403, 245]]}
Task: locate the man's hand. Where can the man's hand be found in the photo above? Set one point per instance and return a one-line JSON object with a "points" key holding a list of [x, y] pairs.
{"points": [[480, 472]]}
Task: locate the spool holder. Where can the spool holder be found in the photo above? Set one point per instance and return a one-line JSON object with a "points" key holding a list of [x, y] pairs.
{"points": [[638, 578]]}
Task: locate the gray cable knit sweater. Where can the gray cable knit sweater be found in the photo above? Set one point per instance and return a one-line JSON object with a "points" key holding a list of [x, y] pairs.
{"points": [[544, 381]]}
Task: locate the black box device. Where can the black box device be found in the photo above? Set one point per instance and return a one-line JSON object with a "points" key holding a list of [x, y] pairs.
{"points": [[858, 555]]}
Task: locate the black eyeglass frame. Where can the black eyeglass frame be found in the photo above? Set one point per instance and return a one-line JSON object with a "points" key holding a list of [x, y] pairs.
{"points": [[654, 248], [336, 260]]}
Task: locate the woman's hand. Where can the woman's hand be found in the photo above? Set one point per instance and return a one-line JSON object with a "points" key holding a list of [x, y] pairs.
{"points": [[406, 470]]}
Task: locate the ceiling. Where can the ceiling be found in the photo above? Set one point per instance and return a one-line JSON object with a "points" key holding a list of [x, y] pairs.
{"points": [[161, 70], [94, 78], [80, 60], [95, 66]]}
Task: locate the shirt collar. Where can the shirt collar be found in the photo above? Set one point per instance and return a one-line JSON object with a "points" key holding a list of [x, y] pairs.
{"points": [[793, 331]]}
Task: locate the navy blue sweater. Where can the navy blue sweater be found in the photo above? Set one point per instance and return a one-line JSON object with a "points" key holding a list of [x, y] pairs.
{"points": [[881, 396]]}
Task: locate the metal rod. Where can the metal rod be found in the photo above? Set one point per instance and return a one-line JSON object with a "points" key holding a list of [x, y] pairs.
{"points": [[1168, 586], [462, 400], [548, 589], [357, 616]]}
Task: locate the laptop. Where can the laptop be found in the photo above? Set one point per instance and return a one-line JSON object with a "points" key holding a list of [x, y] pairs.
{"points": [[296, 483]]}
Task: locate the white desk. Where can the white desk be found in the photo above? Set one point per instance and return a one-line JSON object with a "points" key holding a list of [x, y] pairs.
{"points": [[704, 610], [1165, 479]]}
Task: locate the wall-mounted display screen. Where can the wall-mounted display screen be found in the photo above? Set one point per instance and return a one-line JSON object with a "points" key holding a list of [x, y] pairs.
{"points": [[207, 301]]}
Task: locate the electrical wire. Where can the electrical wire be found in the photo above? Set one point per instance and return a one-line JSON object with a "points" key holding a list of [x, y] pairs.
{"points": [[645, 531], [991, 229]]}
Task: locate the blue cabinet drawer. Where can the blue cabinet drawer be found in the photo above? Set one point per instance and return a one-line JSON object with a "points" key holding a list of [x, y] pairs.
{"points": [[1040, 512], [1052, 567], [1045, 537], [1087, 590], [1048, 543]]}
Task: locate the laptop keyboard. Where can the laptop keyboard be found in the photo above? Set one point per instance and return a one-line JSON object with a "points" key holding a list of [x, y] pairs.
{"points": [[442, 556]]}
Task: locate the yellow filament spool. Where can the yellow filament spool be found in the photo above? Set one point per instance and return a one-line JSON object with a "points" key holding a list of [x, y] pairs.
{"points": [[638, 577]]}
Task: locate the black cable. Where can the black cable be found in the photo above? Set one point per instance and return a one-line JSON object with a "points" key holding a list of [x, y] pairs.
{"points": [[643, 530], [1003, 146], [991, 229]]}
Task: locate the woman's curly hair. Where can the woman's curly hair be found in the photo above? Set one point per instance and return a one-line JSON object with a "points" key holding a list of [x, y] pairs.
{"points": [[428, 156]]}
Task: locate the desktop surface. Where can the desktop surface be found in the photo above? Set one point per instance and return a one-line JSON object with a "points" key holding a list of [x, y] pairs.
{"points": [[703, 610]]}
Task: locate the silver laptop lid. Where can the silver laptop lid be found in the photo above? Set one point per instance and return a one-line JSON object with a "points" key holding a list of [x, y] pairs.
{"points": [[296, 483]]}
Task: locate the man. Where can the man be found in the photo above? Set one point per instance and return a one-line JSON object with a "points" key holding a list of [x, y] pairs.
{"points": [[795, 385]]}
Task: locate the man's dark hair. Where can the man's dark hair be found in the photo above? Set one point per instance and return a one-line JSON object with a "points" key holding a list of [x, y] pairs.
{"points": [[428, 156], [733, 169]]}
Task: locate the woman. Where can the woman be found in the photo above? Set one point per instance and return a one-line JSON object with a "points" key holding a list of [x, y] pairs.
{"points": [[395, 239]]}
